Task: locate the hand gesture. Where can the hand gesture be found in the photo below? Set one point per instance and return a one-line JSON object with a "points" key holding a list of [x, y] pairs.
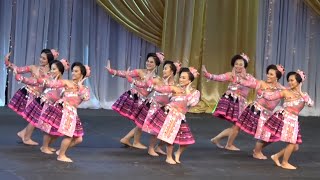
{"points": [[108, 67], [18, 77], [7, 61], [233, 74], [300, 89], [80, 83], [15, 70], [205, 72], [188, 88]]}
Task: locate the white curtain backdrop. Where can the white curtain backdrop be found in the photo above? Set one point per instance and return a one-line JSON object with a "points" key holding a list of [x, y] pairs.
{"points": [[289, 34], [5, 27], [81, 31]]}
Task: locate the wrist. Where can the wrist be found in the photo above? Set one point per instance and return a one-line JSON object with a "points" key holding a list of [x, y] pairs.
{"points": [[113, 72]]}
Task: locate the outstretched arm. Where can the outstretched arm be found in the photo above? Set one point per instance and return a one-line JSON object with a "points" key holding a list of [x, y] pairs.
{"points": [[309, 102], [84, 93], [113, 72], [194, 98], [52, 83], [274, 96], [27, 80], [213, 77], [252, 83]]}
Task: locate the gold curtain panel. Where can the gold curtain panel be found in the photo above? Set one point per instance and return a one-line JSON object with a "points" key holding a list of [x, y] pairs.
{"points": [[143, 17], [314, 4], [195, 32], [231, 28]]}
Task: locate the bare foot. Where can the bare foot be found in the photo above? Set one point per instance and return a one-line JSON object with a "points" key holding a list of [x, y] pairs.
{"points": [[30, 142], [177, 157], [139, 146], [160, 151], [125, 142], [52, 149], [151, 152], [46, 150], [58, 152], [232, 148], [259, 155], [216, 142], [275, 159], [21, 134], [64, 159], [288, 166], [170, 161]]}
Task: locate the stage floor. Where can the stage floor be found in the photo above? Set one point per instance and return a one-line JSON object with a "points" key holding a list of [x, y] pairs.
{"points": [[101, 156]]}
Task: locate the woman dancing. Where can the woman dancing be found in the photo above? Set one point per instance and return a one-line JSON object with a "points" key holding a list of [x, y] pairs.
{"points": [[284, 123], [66, 122], [127, 104], [169, 123], [234, 100]]}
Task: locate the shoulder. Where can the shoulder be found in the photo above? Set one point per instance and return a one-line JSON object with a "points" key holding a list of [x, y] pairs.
{"points": [[228, 73], [250, 76], [33, 67], [195, 92]]}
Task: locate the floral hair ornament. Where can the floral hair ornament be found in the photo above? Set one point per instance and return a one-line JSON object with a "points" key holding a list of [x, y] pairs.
{"points": [[65, 64], [281, 68], [302, 74], [160, 55], [178, 65], [194, 71], [245, 57]]}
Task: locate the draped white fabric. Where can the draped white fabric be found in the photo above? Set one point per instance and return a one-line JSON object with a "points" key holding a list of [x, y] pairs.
{"points": [[5, 27], [289, 34], [81, 31]]}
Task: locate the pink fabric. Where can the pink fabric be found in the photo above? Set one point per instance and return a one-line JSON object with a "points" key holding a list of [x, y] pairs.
{"points": [[234, 88], [22, 70], [221, 77], [178, 107]]}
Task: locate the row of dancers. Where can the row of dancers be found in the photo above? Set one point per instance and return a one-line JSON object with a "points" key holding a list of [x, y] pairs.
{"points": [[158, 105]]}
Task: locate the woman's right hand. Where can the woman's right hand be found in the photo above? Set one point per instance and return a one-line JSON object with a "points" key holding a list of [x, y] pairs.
{"points": [[7, 61], [205, 72]]}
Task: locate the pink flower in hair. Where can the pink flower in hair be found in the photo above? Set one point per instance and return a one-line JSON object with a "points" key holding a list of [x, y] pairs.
{"points": [[55, 53], [160, 55], [245, 57], [88, 70], [194, 71], [178, 66], [302, 74], [65, 63], [281, 68]]}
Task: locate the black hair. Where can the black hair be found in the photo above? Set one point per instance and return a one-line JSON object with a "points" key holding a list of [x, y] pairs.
{"points": [[172, 66], [49, 54], [187, 70], [155, 57], [236, 57], [274, 67], [81, 66], [297, 76], [58, 64]]}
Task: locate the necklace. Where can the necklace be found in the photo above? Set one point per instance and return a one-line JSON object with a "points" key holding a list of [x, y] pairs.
{"points": [[295, 92], [271, 86], [76, 86]]}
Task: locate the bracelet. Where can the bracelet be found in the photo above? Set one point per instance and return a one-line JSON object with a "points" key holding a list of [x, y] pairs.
{"points": [[20, 79], [115, 73]]}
